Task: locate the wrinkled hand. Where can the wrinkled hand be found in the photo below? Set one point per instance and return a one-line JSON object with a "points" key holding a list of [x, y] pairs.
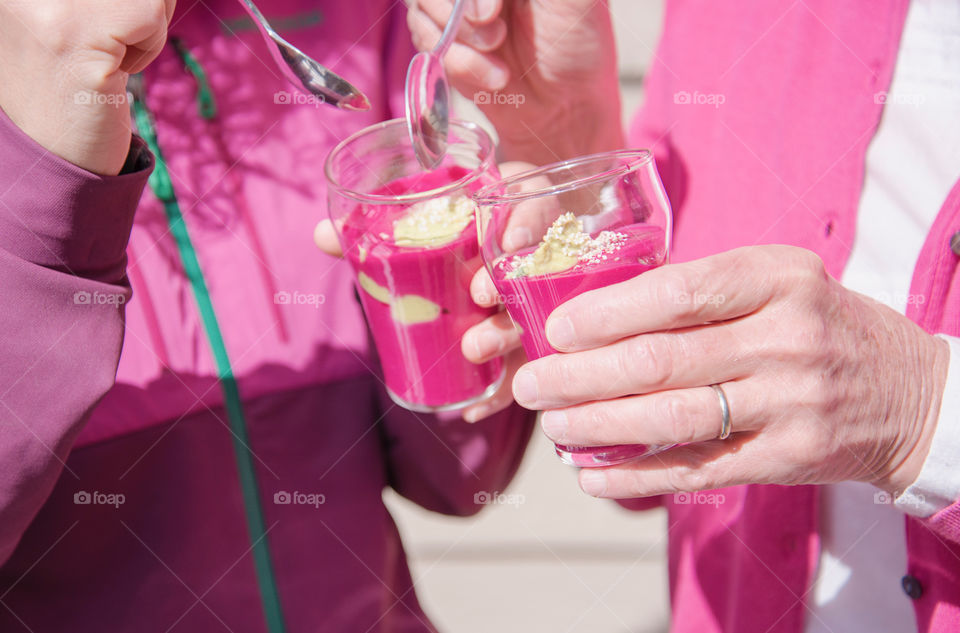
{"points": [[552, 63], [824, 384], [65, 68]]}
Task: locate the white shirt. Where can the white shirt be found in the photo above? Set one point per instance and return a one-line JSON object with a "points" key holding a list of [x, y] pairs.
{"points": [[911, 165]]}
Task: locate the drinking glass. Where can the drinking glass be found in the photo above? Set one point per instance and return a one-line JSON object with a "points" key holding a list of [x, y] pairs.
{"points": [[410, 236], [552, 233]]}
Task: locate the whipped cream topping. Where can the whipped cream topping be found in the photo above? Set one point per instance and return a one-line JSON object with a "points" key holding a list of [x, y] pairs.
{"points": [[564, 246], [433, 222]]}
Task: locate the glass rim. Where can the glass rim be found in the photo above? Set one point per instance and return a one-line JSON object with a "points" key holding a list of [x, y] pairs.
{"points": [[636, 159], [486, 144]]}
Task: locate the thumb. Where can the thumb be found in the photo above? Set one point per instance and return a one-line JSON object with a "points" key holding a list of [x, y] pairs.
{"points": [[325, 237]]}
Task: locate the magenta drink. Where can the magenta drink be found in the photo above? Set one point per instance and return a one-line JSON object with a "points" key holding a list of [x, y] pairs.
{"points": [[411, 238], [553, 233], [530, 298]]}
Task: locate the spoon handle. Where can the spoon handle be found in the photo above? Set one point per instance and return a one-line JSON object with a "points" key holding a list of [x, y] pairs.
{"points": [[450, 30]]}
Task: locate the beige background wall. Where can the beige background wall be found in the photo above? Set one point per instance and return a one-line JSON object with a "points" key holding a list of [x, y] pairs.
{"points": [[548, 558]]}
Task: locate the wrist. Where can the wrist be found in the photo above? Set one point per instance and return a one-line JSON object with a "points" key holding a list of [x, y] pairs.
{"points": [[87, 128], [931, 377]]}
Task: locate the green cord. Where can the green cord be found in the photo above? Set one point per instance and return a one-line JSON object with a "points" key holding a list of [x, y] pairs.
{"points": [[163, 188], [206, 104]]}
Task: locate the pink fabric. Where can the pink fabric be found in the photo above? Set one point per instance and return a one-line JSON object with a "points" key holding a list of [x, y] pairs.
{"points": [[77, 415], [781, 160]]}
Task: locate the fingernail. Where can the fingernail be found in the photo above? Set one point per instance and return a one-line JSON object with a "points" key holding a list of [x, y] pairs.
{"points": [[496, 79], [560, 332], [525, 389], [554, 424], [593, 482], [481, 9]]}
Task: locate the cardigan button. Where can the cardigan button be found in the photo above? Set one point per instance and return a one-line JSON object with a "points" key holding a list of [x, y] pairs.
{"points": [[911, 586], [955, 243]]}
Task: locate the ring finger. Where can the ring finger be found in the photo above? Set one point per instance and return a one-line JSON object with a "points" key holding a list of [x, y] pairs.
{"points": [[677, 416]]}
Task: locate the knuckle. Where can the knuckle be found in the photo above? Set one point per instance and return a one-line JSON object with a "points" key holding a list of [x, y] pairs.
{"points": [[801, 268], [595, 423], [50, 19], [676, 412], [687, 479], [156, 11], [649, 358], [674, 290]]}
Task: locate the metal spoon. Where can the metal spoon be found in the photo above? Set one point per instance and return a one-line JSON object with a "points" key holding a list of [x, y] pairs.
{"points": [[428, 96], [303, 71]]}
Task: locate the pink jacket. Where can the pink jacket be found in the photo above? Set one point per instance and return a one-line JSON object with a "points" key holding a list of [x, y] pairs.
{"points": [[174, 555], [780, 159]]}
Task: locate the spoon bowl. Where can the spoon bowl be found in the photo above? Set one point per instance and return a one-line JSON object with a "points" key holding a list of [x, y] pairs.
{"points": [[304, 72], [428, 112], [428, 96]]}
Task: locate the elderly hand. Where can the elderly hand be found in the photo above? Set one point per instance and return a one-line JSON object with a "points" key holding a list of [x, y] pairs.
{"points": [[823, 384], [544, 72], [65, 68]]}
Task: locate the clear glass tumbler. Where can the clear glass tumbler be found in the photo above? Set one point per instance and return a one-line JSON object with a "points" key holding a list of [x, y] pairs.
{"points": [[410, 236], [552, 233]]}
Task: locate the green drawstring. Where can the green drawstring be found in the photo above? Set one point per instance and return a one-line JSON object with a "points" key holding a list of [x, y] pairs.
{"points": [[162, 187], [206, 104]]}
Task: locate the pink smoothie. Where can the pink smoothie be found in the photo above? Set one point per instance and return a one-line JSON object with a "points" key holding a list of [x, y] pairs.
{"points": [[531, 299], [422, 363]]}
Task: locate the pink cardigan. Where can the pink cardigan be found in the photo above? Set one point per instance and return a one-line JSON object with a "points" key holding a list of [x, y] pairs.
{"points": [[760, 114]]}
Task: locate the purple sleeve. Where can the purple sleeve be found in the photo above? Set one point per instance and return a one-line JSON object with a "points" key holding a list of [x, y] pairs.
{"points": [[63, 235], [443, 463]]}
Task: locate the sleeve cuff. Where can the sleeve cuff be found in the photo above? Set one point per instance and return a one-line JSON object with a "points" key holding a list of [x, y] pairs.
{"points": [[938, 484], [58, 215]]}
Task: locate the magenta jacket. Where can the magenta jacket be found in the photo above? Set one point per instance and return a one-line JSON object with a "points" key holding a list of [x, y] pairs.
{"points": [[120, 507], [780, 159]]}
